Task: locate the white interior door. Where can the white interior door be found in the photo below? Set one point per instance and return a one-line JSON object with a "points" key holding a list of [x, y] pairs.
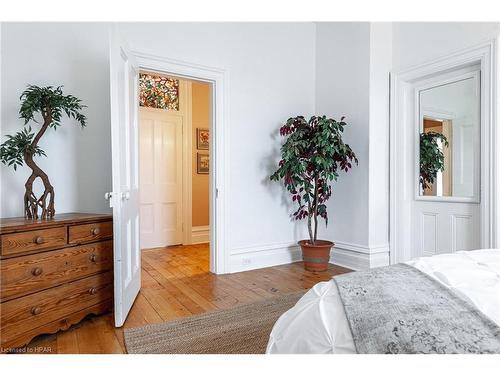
{"points": [[445, 227], [161, 209], [124, 75], [446, 220]]}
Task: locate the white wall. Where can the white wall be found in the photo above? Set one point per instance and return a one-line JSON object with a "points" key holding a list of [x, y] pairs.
{"points": [[342, 89], [271, 77], [276, 70], [378, 198], [79, 161], [418, 42], [353, 61]]}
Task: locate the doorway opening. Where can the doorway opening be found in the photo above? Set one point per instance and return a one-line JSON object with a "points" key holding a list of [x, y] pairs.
{"points": [[174, 165], [125, 66]]}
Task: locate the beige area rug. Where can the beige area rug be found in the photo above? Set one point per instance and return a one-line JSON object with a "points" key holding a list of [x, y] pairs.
{"points": [[242, 329]]}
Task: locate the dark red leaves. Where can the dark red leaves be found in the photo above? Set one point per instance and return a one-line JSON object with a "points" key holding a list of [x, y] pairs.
{"points": [[302, 214], [311, 160]]}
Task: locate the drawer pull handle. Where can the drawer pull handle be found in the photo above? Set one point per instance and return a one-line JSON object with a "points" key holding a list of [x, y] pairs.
{"points": [[92, 291], [36, 310], [38, 240], [37, 271], [93, 258], [95, 231]]}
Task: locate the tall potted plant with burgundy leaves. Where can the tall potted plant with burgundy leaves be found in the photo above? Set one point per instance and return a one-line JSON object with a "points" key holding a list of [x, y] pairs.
{"points": [[311, 158]]}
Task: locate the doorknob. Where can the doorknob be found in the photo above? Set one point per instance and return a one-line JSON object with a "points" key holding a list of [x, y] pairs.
{"points": [[109, 197], [125, 195]]}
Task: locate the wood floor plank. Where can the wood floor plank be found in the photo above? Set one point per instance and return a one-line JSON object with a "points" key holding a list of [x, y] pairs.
{"points": [[108, 341], [176, 282], [148, 282], [88, 340], [177, 294], [67, 342], [165, 304]]}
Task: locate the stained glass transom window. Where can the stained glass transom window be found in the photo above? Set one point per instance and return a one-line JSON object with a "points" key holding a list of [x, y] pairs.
{"points": [[158, 92]]}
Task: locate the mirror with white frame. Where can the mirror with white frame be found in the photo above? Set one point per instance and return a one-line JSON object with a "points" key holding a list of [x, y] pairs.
{"points": [[449, 139]]}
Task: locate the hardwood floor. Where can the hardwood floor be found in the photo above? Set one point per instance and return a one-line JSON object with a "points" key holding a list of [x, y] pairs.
{"points": [[176, 282]]}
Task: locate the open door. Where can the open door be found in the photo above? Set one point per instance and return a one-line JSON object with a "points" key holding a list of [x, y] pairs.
{"points": [[124, 198]]}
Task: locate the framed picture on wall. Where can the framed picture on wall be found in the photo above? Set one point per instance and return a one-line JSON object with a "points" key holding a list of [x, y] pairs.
{"points": [[202, 163], [202, 138]]}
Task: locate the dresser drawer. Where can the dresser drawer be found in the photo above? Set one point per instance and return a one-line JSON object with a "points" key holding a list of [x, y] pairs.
{"points": [[90, 232], [32, 273], [24, 315], [34, 240]]}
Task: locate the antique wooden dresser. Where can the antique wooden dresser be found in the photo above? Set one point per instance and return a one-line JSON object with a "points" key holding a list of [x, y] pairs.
{"points": [[53, 273]]}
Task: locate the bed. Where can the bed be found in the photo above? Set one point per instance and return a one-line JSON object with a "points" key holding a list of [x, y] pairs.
{"points": [[319, 322]]}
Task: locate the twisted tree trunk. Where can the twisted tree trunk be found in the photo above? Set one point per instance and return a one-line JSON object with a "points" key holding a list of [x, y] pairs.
{"points": [[46, 200]]}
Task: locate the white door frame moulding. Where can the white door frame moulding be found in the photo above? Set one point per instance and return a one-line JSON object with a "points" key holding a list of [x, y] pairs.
{"points": [[219, 147], [401, 167], [187, 167]]}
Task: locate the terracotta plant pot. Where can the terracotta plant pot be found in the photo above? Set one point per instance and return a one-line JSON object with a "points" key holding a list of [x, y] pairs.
{"points": [[316, 256]]}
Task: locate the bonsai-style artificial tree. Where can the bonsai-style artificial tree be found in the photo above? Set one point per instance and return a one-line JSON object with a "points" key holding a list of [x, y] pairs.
{"points": [[49, 104], [311, 158], [431, 157]]}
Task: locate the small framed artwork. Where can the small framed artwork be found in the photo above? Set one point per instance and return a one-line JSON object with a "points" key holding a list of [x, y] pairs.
{"points": [[202, 138], [202, 163]]}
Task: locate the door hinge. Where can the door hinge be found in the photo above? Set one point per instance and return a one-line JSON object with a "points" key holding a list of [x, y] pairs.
{"points": [[216, 193]]}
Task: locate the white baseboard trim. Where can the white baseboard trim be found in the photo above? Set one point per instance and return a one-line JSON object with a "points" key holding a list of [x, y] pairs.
{"points": [[358, 257], [344, 254], [268, 255], [200, 234]]}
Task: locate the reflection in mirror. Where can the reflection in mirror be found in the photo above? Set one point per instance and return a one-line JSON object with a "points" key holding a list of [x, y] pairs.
{"points": [[449, 139]]}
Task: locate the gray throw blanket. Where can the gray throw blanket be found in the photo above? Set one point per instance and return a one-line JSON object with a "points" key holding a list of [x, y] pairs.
{"points": [[399, 309]]}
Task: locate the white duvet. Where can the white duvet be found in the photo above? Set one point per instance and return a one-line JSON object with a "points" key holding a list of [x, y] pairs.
{"points": [[317, 323]]}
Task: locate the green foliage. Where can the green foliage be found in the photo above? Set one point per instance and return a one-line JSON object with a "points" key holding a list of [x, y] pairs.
{"points": [[12, 151], [311, 158], [431, 157], [48, 102]]}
